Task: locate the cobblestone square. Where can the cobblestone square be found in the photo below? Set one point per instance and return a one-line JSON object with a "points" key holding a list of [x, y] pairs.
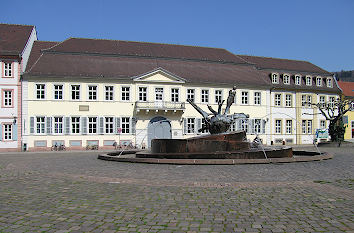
{"points": [[76, 192]]}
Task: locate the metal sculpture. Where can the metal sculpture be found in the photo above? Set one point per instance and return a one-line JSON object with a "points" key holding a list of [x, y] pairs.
{"points": [[219, 122]]}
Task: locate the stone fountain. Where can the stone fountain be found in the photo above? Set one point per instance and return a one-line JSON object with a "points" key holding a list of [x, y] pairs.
{"points": [[219, 144]]}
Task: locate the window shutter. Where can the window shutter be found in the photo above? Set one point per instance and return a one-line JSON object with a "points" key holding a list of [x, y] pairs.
{"points": [[199, 124], [133, 124], [14, 132], [67, 125], [0, 132], [251, 125], [263, 126], [101, 125], [49, 125], [117, 125], [195, 126], [184, 125], [84, 125], [32, 125]]}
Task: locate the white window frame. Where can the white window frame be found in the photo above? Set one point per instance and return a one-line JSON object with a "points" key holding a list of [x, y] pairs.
{"points": [[191, 94], [331, 101], [40, 125], [244, 125], [303, 126], [109, 125], [8, 98], [175, 95], [288, 126], [277, 99], [298, 79], [58, 92], [309, 126], [57, 125], [125, 93], [204, 96], [142, 94], [286, 79], [329, 82], [275, 78], [8, 131], [308, 80], [257, 98], [218, 95], [40, 91], [92, 125], [278, 126], [159, 93], [92, 94], [244, 97], [288, 101], [75, 93], [109, 93], [77, 125], [319, 81], [322, 100], [190, 125], [309, 101], [8, 69], [125, 125], [323, 124]]}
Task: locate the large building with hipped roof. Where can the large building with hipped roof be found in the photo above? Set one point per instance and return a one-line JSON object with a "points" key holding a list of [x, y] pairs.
{"points": [[83, 92], [15, 47]]}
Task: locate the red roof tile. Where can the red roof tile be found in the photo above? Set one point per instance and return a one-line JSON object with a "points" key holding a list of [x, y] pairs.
{"points": [[13, 38], [347, 87]]}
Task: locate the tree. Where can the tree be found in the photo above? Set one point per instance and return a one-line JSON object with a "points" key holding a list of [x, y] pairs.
{"points": [[334, 112]]}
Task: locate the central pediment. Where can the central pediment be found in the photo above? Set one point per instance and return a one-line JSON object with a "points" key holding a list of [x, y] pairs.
{"points": [[159, 76]]}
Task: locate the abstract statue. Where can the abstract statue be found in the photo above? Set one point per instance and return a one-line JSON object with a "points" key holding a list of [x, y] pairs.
{"points": [[219, 123]]}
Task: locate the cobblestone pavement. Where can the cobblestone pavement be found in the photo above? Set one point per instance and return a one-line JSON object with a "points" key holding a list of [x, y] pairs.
{"points": [[76, 192]]}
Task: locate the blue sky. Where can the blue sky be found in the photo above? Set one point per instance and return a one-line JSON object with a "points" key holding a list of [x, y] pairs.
{"points": [[319, 31]]}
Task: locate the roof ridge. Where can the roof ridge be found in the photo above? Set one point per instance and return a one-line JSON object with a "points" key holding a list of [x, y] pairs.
{"points": [[148, 43], [12, 24], [46, 41], [274, 58]]}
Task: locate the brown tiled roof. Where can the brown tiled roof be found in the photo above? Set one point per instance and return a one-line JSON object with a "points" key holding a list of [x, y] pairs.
{"points": [[144, 49], [36, 51], [283, 64], [13, 38], [347, 87], [85, 65]]}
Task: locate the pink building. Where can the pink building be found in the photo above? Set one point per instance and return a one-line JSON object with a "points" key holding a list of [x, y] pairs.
{"points": [[15, 46]]}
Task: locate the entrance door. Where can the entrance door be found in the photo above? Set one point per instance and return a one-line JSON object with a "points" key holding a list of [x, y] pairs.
{"points": [[352, 129], [159, 127]]}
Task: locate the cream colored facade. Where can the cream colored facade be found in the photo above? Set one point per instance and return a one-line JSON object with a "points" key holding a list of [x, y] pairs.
{"points": [[40, 112]]}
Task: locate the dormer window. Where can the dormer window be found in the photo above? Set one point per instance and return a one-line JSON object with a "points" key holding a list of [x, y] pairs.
{"points": [[275, 78], [308, 81], [319, 81], [286, 79], [329, 82], [297, 80]]}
